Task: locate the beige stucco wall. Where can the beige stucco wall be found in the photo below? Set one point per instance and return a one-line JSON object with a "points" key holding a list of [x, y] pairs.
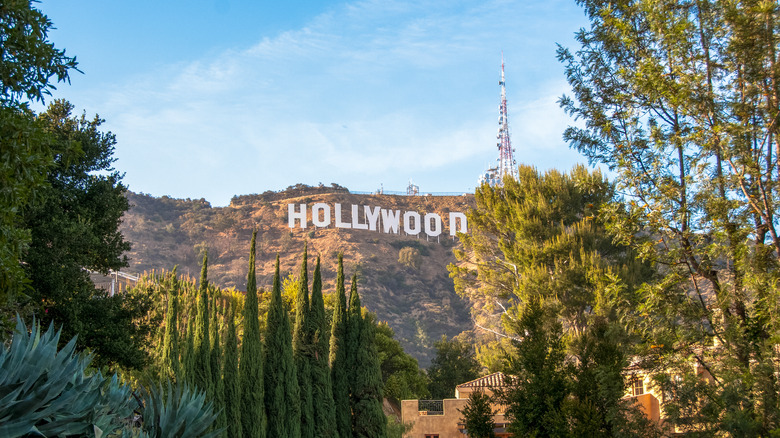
{"points": [[446, 426]]}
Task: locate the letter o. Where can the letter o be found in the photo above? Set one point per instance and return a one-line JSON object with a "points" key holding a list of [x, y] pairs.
{"points": [[436, 230], [315, 215], [413, 230]]}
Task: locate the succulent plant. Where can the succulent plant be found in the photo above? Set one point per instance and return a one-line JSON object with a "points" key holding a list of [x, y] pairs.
{"points": [[177, 412], [49, 392]]}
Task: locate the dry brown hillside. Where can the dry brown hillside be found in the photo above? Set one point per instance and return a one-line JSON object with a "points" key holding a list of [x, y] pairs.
{"points": [[419, 303]]}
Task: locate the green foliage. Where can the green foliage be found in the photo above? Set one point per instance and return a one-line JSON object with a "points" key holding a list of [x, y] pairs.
{"points": [[410, 257], [29, 61], [478, 416], [74, 226], [202, 377], [230, 373], [397, 429], [322, 390], [215, 359], [454, 364], [169, 357], [29, 65], [365, 381], [177, 411], [302, 349], [535, 402], [282, 393], [542, 235], [339, 356], [675, 99], [23, 164], [48, 392], [368, 418], [403, 379], [253, 420]]}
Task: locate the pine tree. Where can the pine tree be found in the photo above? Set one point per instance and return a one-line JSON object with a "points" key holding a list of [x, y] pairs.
{"points": [[368, 418], [202, 361], [230, 379], [216, 366], [339, 357], [478, 416], [253, 420], [282, 394], [302, 350], [535, 404], [169, 367], [322, 392]]}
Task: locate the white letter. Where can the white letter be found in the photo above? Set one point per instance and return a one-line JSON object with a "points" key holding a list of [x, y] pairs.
{"points": [[356, 219], [407, 223], [463, 226], [371, 216], [315, 215], [339, 223], [437, 224], [390, 220], [292, 215]]}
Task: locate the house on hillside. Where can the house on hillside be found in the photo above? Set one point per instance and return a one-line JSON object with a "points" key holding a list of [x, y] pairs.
{"points": [[442, 418]]}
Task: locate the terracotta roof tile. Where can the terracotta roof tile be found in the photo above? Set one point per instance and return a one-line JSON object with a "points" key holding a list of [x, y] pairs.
{"points": [[495, 380]]}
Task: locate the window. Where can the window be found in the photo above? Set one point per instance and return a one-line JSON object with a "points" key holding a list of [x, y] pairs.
{"points": [[431, 435], [637, 386]]}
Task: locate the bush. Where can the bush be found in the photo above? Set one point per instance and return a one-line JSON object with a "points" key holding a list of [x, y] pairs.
{"points": [[410, 257]]}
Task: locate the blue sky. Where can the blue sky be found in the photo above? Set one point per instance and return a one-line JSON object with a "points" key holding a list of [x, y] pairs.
{"points": [[217, 98]]}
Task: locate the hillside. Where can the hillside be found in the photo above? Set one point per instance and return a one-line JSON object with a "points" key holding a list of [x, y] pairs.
{"points": [[419, 303]]}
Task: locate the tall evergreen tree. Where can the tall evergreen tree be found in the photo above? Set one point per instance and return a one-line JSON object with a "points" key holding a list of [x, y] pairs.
{"points": [[202, 358], [339, 357], [302, 349], [282, 393], [216, 366], [230, 379], [253, 420], [322, 392], [478, 416], [535, 403], [188, 355], [169, 358], [368, 418], [454, 364]]}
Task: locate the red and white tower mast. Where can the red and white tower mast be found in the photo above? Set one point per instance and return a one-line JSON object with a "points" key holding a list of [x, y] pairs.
{"points": [[506, 160]]}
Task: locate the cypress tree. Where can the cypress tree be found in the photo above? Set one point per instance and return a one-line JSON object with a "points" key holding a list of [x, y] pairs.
{"points": [[230, 379], [302, 350], [368, 419], [322, 392], [216, 367], [202, 360], [282, 394], [169, 366], [188, 356], [251, 367], [338, 357]]}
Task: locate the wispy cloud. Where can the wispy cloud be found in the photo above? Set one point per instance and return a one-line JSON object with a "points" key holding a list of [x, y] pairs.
{"points": [[365, 92]]}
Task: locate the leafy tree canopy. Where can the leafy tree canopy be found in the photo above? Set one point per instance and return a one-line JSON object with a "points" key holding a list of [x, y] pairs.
{"points": [[454, 364], [679, 100]]}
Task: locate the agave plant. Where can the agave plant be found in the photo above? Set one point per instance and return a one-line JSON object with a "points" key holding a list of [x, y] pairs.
{"points": [[48, 392], [177, 412]]}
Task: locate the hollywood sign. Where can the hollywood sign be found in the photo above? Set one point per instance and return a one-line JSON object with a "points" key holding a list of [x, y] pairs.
{"points": [[375, 219]]}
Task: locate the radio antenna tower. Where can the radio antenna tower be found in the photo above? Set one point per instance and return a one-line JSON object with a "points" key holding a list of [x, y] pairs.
{"points": [[507, 167], [506, 160]]}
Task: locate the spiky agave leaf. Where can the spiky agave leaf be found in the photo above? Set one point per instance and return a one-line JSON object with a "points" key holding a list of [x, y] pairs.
{"points": [[46, 392], [177, 411]]}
